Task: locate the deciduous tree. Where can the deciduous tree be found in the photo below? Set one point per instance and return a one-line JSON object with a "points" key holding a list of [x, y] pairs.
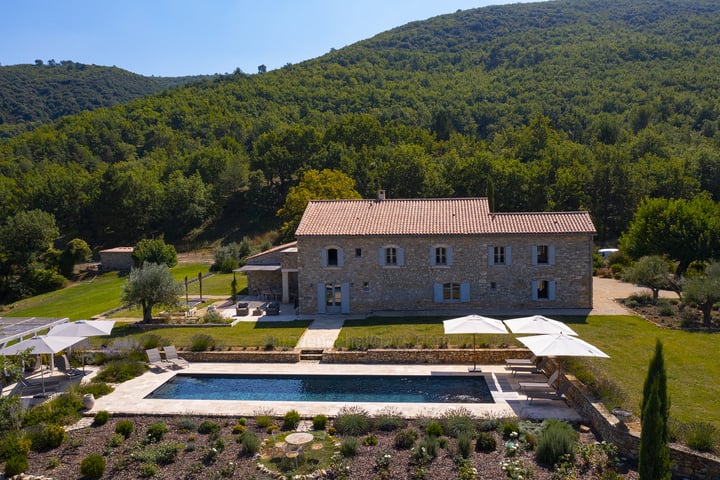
{"points": [[681, 229], [154, 251], [315, 185]]}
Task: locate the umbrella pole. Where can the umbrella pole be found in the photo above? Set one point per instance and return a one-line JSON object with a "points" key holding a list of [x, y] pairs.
{"points": [[474, 368], [42, 378]]}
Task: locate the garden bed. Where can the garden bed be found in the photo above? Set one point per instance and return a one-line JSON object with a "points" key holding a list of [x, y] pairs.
{"points": [[195, 460]]}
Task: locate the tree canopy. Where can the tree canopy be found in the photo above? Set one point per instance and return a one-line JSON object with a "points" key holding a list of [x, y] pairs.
{"points": [[685, 230], [314, 185], [579, 105], [151, 285]]}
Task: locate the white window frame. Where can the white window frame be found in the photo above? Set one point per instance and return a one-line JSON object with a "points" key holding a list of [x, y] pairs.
{"points": [[440, 290], [391, 252], [437, 252], [507, 253]]}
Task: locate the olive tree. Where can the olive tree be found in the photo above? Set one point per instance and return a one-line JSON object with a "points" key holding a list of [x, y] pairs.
{"points": [[151, 285], [652, 272], [704, 291]]}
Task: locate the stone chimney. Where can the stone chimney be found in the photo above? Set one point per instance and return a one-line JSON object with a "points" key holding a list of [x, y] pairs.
{"points": [[381, 195]]}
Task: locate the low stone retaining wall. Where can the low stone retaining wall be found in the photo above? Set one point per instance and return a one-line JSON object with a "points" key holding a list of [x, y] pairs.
{"points": [[447, 356], [230, 356], [686, 463]]}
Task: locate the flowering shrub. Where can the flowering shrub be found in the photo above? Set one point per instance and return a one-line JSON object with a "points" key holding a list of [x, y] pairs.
{"points": [[466, 471], [382, 465], [516, 470]]}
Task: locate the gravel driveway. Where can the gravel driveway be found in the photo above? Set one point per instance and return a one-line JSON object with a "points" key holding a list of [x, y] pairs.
{"points": [[607, 292]]}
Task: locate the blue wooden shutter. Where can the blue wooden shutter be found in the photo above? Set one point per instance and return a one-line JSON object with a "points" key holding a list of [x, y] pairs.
{"points": [[551, 254], [534, 290], [381, 255], [449, 255], [400, 256], [438, 293], [508, 255], [551, 290], [534, 254], [432, 256], [323, 257], [321, 297], [465, 292], [340, 257], [345, 298], [491, 255]]}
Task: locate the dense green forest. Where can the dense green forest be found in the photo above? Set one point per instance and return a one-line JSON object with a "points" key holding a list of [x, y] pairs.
{"points": [[31, 95], [562, 105]]}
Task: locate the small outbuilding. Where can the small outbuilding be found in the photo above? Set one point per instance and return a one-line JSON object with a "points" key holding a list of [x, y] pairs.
{"points": [[118, 258]]}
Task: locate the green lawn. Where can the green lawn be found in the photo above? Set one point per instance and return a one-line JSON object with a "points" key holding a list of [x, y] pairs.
{"points": [[102, 293], [243, 334], [691, 365], [408, 332], [79, 301]]}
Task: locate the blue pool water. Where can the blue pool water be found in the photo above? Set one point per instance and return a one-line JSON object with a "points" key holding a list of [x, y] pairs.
{"points": [[328, 388]]}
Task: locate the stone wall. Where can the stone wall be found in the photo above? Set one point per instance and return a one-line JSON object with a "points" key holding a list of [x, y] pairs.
{"points": [[415, 356], [410, 286], [686, 463], [230, 356]]}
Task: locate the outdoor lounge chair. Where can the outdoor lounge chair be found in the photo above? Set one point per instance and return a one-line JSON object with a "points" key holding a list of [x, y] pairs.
{"points": [[172, 357], [36, 386], [513, 362], [541, 389], [528, 367], [62, 363], [156, 361]]}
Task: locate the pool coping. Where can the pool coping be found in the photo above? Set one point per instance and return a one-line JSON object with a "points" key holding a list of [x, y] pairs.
{"points": [[129, 397]]}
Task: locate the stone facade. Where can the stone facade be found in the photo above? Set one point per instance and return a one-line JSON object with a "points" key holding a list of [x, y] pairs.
{"points": [[118, 258], [417, 282]]}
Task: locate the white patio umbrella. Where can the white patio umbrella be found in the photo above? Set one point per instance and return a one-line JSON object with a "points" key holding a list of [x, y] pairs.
{"points": [[41, 345], [561, 345], [83, 328], [538, 324], [474, 324]]}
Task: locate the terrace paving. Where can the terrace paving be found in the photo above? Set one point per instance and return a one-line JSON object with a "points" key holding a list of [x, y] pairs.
{"points": [[129, 397]]}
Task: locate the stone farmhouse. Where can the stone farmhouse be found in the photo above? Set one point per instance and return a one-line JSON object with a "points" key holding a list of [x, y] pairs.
{"points": [[363, 256]]}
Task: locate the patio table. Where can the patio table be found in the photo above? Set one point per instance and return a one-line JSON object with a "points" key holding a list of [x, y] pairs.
{"points": [[299, 439]]}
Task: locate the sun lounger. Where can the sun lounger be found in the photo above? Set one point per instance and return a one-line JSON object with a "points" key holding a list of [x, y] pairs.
{"points": [[62, 363], [550, 393], [36, 387], [513, 362], [546, 389], [172, 357], [528, 368], [156, 361]]}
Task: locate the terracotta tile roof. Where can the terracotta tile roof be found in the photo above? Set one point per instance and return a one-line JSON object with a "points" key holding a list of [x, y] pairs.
{"points": [[446, 216]]}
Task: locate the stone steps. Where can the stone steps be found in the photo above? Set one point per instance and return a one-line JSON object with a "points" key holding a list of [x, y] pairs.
{"points": [[311, 354]]}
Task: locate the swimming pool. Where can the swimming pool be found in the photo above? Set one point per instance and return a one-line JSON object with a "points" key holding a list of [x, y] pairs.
{"points": [[327, 388]]}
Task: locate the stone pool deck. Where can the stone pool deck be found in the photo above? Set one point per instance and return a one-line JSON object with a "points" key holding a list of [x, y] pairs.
{"points": [[128, 397]]}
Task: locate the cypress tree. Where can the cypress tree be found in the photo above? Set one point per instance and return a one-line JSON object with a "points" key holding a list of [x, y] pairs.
{"points": [[654, 461]]}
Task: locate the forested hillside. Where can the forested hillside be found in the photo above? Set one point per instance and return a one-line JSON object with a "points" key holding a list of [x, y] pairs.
{"points": [[40, 93], [563, 105]]}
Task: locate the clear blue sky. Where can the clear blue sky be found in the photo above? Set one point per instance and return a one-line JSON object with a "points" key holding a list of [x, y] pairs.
{"points": [[191, 37]]}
